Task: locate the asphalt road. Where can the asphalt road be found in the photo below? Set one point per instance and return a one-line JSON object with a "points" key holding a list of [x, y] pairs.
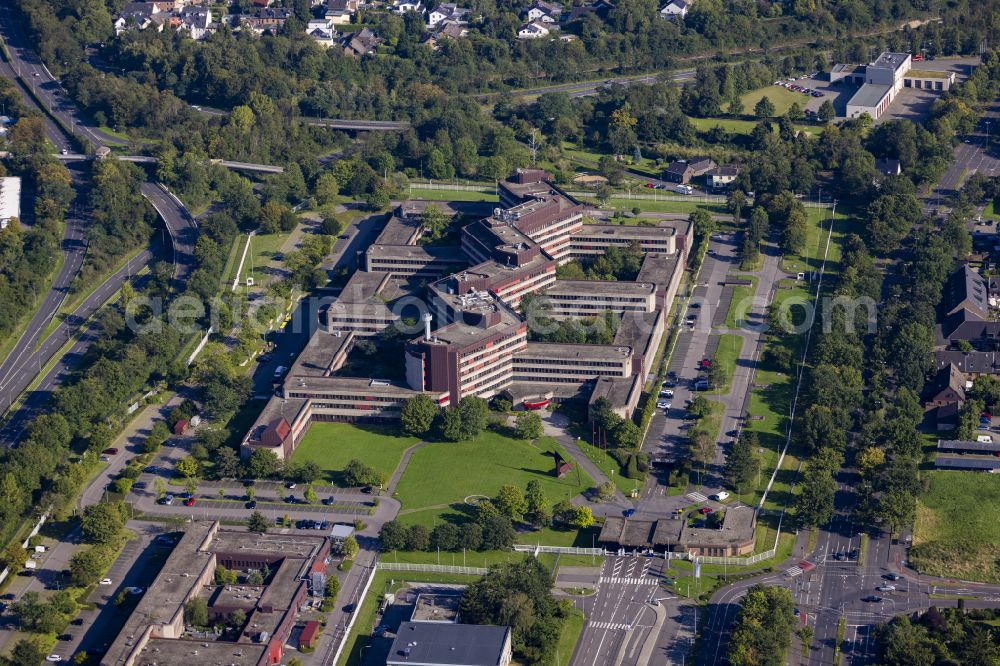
{"points": [[181, 226], [26, 64], [37, 401], [622, 619]]}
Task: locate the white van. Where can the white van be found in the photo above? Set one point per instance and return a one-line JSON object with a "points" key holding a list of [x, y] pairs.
{"points": [[683, 189], [984, 439], [720, 496]]}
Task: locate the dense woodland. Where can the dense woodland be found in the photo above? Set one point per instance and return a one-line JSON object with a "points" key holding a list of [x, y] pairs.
{"points": [[762, 632], [945, 636]]}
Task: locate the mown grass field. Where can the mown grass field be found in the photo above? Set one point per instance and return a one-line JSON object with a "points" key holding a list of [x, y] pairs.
{"points": [[726, 355], [441, 475], [956, 531], [781, 97], [742, 303], [739, 126], [333, 445]]}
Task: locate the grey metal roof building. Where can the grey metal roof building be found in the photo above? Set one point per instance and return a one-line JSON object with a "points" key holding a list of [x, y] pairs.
{"points": [[958, 445], [972, 463], [446, 644]]}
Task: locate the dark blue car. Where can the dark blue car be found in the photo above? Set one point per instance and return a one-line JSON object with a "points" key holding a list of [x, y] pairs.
{"points": [[628, 513]]}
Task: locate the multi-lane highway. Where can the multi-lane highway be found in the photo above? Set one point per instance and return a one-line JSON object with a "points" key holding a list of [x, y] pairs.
{"points": [[25, 64]]}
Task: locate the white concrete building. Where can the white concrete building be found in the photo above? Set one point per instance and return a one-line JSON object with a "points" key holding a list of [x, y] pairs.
{"points": [[10, 200]]}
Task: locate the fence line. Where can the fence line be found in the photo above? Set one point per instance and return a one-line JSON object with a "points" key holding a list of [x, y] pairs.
{"points": [[431, 568], [353, 617], [563, 550]]}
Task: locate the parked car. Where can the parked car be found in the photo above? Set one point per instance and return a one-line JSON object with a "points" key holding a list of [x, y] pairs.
{"points": [[189, 501], [290, 485], [110, 451], [628, 513], [704, 510], [291, 499], [662, 404], [720, 496], [167, 500], [52, 657], [106, 581], [138, 485], [252, 504]]}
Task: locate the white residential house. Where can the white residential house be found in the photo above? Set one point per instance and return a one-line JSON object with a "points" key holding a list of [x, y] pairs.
{"points": [[544, 12], [722, 177], [403, 6], [675, 9], [323, 32], [197, 21], [340, 11], [447, 12], [532, 31]]}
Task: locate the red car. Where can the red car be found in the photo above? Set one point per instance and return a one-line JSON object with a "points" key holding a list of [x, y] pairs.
{"points": [[110, 452], [705, 363], [650, 185], [704, 511], [189, 501]]}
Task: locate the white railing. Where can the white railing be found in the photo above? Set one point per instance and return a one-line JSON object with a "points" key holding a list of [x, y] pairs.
{"points": [[431, 568], [330, 660], [562, 550]]}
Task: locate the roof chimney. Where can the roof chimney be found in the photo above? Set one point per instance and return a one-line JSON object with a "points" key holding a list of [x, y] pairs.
{"points": [[427, 325]]}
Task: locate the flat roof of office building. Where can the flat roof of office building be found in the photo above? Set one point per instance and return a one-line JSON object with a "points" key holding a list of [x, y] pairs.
{"points": [[869, 95], [180, 652], [636, 330], [658, 267], [584, 288], [558, 350], [436, 607], [316, 357], [353, 385], [451, 253], [445, 644], [891, 60], [627, 231], [462, 334], [400, 231]]}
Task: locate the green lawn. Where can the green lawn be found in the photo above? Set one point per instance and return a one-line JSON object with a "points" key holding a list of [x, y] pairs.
{"points": [[607, 465], [568, 637], [739, 126], [730, 346], [741, 304], [811, 257], [781, 97], [674, 205], [956, 530], [440, 476], [451, 195], [263, 258], [333, 445]]}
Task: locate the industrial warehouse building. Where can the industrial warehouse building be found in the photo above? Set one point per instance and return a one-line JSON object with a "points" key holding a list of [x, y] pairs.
{"points": [[882, 80], [475, 339]]}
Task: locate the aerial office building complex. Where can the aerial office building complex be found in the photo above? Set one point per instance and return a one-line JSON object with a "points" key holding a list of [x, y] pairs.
{"points": [[462, 308]]}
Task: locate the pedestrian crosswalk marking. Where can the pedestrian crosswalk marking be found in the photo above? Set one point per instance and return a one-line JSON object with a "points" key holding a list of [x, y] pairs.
{"points": [[696, 497], [610, 625], [794, 571], [626, 580]]}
